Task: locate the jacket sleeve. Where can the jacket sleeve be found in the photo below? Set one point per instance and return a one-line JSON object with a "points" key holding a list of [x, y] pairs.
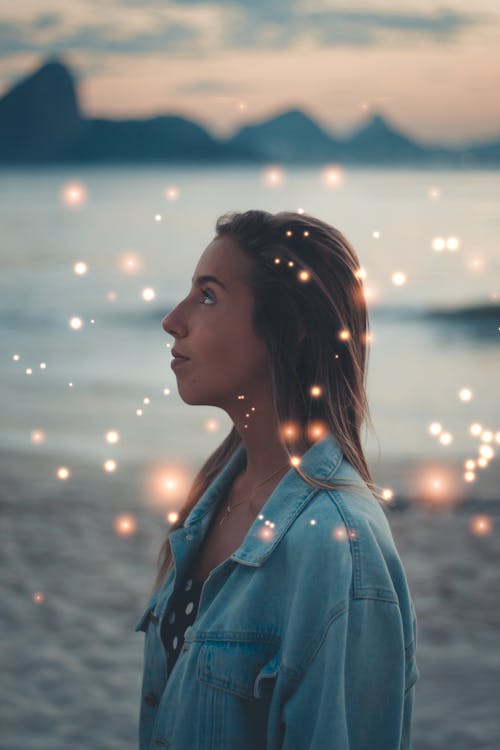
{"points": [[355, 691]]}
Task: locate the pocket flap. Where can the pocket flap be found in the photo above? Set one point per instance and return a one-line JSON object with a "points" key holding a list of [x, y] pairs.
{"points": [[238, 666]]}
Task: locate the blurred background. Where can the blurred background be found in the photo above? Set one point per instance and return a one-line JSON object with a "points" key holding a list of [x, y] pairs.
{"points": [[125, 131]]}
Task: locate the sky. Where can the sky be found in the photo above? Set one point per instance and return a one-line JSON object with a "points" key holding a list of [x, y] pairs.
{"points": [[431, 69]]}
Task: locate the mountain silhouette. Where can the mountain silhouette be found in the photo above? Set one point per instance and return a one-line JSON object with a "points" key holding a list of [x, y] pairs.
{"points": [[41, 123], [39, 116], [291, 136]]}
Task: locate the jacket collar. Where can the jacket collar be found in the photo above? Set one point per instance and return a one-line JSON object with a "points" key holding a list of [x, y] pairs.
{"points": [[282, 507]]}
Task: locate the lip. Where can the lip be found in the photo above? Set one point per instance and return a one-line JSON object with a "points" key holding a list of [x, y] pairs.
{"points": [[178, 362]]}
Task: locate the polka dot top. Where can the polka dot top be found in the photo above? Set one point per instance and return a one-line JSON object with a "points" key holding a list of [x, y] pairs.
{"points": [[180, 615]]}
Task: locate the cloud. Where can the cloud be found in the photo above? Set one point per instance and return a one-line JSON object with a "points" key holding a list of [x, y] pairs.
{"points": [[277, 27], [275, 24]]}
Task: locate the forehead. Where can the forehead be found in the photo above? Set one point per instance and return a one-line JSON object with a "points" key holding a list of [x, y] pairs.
{"points": [[224, 259]]}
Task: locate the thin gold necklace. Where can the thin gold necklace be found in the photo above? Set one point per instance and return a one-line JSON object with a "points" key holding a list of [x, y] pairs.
{"points": [[230, 507]]}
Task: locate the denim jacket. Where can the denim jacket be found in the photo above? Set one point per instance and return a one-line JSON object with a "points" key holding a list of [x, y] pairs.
{"points": [[305, 637]]}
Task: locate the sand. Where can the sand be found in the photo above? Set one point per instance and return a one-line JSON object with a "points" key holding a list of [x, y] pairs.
{"points": [[72, 663]]}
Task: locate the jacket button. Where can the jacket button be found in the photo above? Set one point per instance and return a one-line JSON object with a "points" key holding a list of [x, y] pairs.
{"points": [[151, 699]]}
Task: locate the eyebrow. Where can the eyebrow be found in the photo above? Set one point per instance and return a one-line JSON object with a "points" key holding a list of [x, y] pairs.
{"points": [[204, 279]]}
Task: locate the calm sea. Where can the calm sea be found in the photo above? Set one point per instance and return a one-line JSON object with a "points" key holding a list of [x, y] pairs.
{"points": [[419, 359]]}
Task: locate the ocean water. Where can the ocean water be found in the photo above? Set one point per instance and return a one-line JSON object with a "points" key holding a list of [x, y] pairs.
{"points": [[419, 359]]}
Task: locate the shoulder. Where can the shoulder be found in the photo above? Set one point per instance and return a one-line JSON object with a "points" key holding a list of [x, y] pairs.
{"points": [[346, 531]]}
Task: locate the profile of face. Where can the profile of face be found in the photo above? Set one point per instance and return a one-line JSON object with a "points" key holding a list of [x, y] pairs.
{"points": [[212, 326]]}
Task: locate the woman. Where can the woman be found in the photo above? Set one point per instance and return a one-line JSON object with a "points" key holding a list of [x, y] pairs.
{"points": [[281, 615]]}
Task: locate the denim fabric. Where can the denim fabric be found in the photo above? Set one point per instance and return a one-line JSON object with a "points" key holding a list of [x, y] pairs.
{"points": [[305, 637]]}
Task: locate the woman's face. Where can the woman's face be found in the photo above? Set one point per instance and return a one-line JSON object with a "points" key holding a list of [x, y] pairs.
{"points": [[212, 326]]}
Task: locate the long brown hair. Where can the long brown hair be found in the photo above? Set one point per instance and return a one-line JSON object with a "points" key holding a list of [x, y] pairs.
{"points": [[305, 275]]}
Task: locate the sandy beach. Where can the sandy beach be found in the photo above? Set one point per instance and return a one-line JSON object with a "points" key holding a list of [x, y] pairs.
{"points": [[72, 662]]}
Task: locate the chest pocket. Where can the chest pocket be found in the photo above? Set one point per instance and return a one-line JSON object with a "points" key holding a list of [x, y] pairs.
{"points": [[240, 667]]}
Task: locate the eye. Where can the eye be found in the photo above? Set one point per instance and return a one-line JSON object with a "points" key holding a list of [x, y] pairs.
{"points": [[206, 294]]}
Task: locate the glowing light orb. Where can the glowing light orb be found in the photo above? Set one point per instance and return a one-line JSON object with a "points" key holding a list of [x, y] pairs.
{"points": [[316, 429], [158, 217], [125, 525], [166, 486], [112, 436], [360, 273], [15, 357], [435, 428], [482, 462], [376, 234], [148, 294], [486, 451], [273, 176], [73, 194], [80, 268], [344, 335], [109, 465], [372, 293], [37, 436], [76, 323], [43, 366], [171, 193], [469, 476], [315, 391], [465, 394], [63, 472], [332, 176], [436, 486], [304, 275], [452, 243], [146, 400], [481, 524], [387, 493], [434, 192], [313, 522], [339, 533], [38, 597], [212, 425], [487, 436], [289, 431], [265, 533], [475, 264], [470, 464], [475, 429], [172, 517], [438, 244], [295, 460], [166, 391], [138, 412], [129, 263], [398, 278], [29, 371], [445, 438]]}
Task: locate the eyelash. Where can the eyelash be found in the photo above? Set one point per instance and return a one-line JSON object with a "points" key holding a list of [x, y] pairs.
{"points": [[207, 294]]}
